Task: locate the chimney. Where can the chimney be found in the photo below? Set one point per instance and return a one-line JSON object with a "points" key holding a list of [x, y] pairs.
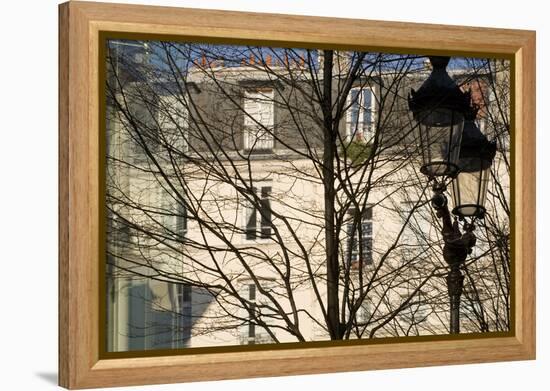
{"points": [[427, 64]]}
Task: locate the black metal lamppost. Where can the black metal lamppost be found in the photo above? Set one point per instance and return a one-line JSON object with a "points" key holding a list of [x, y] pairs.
{"points": [[453, 150]]}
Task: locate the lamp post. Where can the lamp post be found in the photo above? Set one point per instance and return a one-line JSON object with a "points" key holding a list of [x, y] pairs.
{"points": [[453, 150]]}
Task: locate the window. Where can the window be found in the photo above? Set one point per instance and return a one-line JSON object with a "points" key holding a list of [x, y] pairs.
{"points": [[258, 220], [141, 129], [119, 229], [174, 217], [360, 114], [161, 127], [172, 120], [258, 120], [251, 324], [359, 236], [250, 332], [183, 318], [181, 220]]}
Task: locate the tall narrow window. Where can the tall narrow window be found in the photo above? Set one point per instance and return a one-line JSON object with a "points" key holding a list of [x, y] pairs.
{"points": [[174, 217], [181, 221], [183, 316], [248, 332], [258, 214], [256, 313], [258, 120], [251, 218], [361, 114], [172, 120], [359, 236], [119, 229], [139, 121], [265, 218], [251, 324]]}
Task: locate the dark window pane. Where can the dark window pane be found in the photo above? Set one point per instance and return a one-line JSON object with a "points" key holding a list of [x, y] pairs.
{"points": [[251, 324], [181, 221], [266, 212], [252, 292]]}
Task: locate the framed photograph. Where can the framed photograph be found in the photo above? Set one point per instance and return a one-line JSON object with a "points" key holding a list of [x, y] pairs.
{"points": [[246, 195]]}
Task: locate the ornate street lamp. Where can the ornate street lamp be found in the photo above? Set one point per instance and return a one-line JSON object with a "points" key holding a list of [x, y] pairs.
{"points": [[439, 107], [469, 187], [453, 148]]}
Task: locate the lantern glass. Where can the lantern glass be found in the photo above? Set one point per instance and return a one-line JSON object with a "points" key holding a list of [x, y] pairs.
{"points": [[469, 188], [440, 135]]}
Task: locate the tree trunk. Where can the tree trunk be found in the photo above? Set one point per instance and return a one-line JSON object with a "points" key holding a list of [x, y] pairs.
{"points": [[331, 242]]}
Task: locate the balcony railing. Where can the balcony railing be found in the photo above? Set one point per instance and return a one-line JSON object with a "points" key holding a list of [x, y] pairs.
{"points": [[258, 339], [258, 139]]}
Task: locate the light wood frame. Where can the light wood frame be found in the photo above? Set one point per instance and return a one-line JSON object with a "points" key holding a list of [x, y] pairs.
{"points": [[80, 365]]}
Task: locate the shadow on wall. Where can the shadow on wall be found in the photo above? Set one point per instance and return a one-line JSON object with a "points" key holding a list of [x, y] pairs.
{"points": [[161, 316]]}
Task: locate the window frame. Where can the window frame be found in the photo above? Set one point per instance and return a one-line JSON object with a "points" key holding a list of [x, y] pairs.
{"points": [[179, 113], [259, 227], [183, 304], [367, 134], [260, 96], [351, 240]]}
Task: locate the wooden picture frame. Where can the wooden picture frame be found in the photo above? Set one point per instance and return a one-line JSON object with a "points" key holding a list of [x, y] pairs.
{"points": [[81, 24]]}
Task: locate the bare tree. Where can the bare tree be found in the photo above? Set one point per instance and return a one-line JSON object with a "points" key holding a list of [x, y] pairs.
{"points": [[263, 168], [488, 274]]}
